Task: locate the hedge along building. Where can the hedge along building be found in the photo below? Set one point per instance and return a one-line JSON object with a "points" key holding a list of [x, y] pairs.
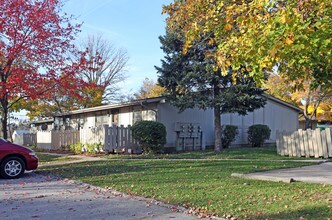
{"points": [[190, 127]]}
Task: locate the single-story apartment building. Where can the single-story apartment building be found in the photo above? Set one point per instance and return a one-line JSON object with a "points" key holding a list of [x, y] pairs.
{"points": [[277, 114], [42, 125]]}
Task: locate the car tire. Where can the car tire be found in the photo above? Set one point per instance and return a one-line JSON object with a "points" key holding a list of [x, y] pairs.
{"points": [[12, 167]]}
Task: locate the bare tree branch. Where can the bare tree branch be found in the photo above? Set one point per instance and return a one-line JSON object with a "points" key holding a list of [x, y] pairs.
{"points": [[107, 65]]}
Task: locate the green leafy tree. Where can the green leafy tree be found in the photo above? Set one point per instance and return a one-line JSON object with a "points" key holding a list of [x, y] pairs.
{"points": [[193, 80], [293, 35]]}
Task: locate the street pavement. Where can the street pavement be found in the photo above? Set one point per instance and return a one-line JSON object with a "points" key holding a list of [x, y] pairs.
{"points": [[36, 196]]}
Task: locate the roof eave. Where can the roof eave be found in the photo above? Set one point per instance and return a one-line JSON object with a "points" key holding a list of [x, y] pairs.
{"points": [[112, 106], [282, 102]]}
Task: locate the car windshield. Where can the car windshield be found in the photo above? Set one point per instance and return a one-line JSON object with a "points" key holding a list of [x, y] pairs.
{"points": [[3, 140]]}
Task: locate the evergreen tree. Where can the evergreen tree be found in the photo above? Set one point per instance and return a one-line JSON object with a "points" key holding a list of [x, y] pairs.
{"points": [[192, 79]]}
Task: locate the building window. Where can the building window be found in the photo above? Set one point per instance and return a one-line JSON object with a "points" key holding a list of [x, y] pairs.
{"points": [[137, 116], [101, 120]]}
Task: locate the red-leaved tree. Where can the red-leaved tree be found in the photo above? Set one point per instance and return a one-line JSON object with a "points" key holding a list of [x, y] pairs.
{"points": [[35, 48]]}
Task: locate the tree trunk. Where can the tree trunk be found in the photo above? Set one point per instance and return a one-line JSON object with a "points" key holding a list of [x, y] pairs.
{"points": [[308, 123], [217, 129], [217, 116], [4, 118]]}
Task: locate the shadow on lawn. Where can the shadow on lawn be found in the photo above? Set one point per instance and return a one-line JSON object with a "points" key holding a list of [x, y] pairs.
{"points": [[219, 168], [151, 171], [104, 168]]}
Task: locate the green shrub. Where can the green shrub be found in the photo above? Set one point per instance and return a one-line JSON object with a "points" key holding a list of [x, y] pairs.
{"points": [[80, 148], [76, 148], [93, 148], [257, 134], [228, 135], [151, 136]]}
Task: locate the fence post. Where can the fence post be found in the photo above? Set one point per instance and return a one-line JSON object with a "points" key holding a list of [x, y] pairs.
{"points": [[319, 143], [114, 133], [329, 141], [302, 149], [106, 138], [297, 144], [285, 144], [310, 134], [292, 143], [306, 143], [52, 140], [315, 143], [324, 145], [278, 138]]}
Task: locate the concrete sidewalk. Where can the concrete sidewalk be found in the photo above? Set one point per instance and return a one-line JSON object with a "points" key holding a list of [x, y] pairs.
{"points": [[321, 173], [42, 197], [76, 159]]}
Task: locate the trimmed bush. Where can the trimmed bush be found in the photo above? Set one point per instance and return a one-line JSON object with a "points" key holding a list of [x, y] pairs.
{"points": [[257, 134], [151, 136], [228, 135]]}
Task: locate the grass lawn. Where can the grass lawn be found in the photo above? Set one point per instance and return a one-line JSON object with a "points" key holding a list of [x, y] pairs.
{"points": [[206, 186], [50, 158]]}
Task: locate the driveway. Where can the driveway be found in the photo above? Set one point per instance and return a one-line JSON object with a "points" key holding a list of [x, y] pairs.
{"points": [[321, 173], [36, 196]]}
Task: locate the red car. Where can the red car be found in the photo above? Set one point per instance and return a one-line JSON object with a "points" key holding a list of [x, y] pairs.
{"points": [[15, 159]]}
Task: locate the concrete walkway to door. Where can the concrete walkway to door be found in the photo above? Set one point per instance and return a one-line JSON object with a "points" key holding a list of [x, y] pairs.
{"points": [[321, 173]]}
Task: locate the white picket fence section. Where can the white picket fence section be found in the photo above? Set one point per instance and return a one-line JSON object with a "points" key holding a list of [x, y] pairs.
{"points": [[305, 143]]}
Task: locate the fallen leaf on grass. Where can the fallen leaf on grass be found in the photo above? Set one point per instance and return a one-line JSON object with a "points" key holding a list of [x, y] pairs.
{"points": [[41, 196]]}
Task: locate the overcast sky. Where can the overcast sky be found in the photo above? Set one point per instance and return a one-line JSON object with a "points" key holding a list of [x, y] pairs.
{"points": [[131, 24]]}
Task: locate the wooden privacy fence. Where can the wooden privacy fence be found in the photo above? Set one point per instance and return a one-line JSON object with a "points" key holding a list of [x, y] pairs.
{"points": [[30, 139], [114, 139], [55, 140], [93, 135], [63, 139], [120, 139], [305, 143]]}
